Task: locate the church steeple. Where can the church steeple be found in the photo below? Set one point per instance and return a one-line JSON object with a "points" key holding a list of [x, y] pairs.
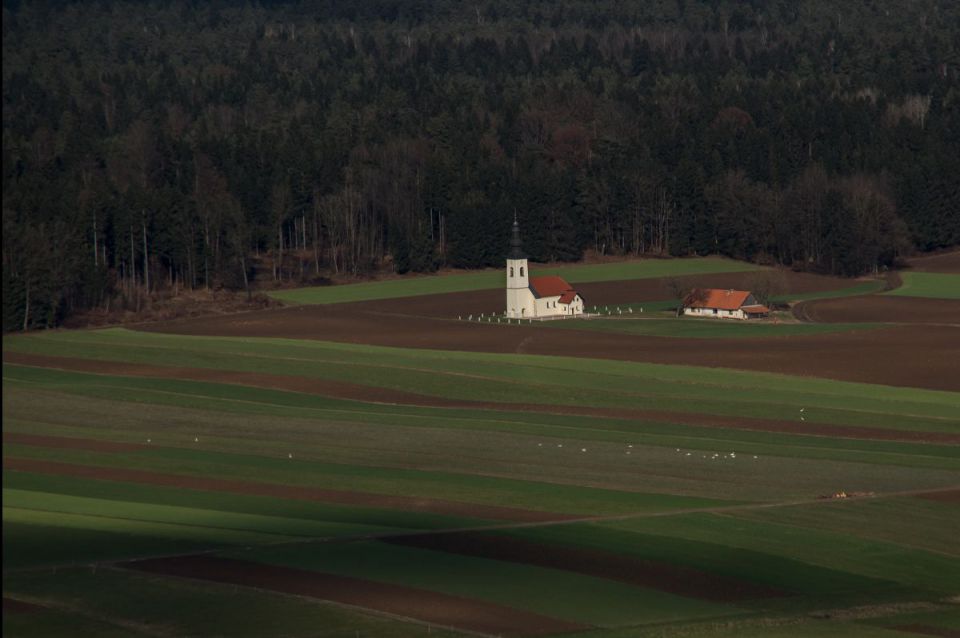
{"points": [[519, 297], [516, 252]]}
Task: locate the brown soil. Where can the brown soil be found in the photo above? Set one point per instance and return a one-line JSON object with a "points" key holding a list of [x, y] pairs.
{"points": [[880, 308], [92, 445], [950, 496], [145, 477], [11, 606], [924, 356], [928, 630], [945, 262], [341, 390], [683, 581], [409, 602]]}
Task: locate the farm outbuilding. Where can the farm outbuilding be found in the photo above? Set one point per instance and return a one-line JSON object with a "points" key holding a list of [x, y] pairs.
{"points": [[723, 304]]}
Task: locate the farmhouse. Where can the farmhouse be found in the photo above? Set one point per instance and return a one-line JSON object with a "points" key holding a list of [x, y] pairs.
{"points": [[723, 304], [536, 297]]}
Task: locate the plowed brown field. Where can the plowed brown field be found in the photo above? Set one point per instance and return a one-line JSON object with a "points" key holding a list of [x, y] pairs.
{"points": [[946, 263], [903, 355], [880, 308], [409, 602]]}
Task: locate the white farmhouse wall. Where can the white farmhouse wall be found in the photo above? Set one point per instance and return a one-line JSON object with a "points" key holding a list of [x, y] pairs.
{"points": [[715, 313]]}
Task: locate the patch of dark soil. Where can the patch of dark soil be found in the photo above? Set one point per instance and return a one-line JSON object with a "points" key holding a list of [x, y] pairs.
{"points": [[421, 604], [881, 308], [683, 581]]}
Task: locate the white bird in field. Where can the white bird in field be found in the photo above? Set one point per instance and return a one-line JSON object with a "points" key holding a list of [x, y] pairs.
{"points": [[754, 456], [539, 444], [803, 409], [289, 456], [148, 441], [628, 451], [583, 449], [688, 454], [559, 444], [629, 446], [196, 440]]}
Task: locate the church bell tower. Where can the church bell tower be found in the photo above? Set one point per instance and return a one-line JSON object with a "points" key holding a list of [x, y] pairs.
{"points": [[518, 278]]}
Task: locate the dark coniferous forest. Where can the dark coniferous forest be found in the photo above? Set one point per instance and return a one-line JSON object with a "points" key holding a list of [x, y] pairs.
{"points": [[178, 145]]}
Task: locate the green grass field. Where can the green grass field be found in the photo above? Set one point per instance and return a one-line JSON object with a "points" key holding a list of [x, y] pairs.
{"points": [[928, 284], [665, 488], [432, 285]]}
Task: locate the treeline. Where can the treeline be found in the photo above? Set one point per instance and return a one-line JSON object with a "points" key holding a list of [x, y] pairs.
{"points": [[201, 144]]}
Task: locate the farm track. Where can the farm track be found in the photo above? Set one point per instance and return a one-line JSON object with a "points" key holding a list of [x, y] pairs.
{"points": [[386, 396]]}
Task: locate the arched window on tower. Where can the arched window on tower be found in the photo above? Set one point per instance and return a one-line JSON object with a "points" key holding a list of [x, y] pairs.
{"points": [[521, 271], [511, 271]]}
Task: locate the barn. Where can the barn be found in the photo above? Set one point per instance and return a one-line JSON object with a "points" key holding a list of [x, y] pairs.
{"points": [[536, 297], [723, 304]]}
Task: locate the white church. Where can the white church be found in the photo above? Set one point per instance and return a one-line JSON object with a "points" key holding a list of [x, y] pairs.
{"points": [[536, 297]]}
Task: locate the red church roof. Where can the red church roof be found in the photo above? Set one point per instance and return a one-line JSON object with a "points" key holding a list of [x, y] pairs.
{"points": [[552, 286], [717, 298]]}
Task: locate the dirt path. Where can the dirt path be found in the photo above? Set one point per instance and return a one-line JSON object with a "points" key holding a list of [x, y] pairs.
{"points": [[682, 581], [421, 604], [952, 496], [370, 394], [361, 499]]}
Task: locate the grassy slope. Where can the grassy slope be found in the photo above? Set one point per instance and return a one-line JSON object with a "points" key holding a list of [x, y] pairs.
{"points": [[863, 288], [144, 601], [927, 284], [518, 378], [441, 454], [551, 592], [828, 554], [429, 285], [894, 565]]}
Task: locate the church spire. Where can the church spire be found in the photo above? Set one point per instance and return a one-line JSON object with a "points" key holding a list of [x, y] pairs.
{"points": [[516, 252]]}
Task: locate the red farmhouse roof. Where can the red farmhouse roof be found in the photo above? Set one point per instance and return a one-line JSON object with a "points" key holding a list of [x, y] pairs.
{"points": [[552, 286], [717, 298]]}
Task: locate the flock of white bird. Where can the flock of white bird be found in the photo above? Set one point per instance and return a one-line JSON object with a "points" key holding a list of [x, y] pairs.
{"points": [[709, 455]]}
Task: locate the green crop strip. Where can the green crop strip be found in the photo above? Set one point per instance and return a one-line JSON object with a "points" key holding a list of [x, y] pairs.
{"points": [[431, 285]]}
